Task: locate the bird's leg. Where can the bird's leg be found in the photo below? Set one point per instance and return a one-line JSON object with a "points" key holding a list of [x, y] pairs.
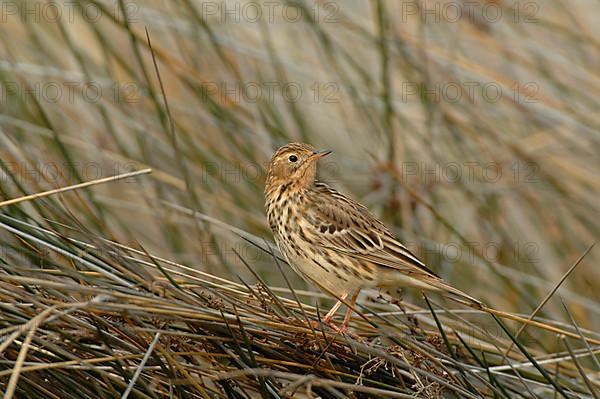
{"points": [[349, 311], [329, 315]]}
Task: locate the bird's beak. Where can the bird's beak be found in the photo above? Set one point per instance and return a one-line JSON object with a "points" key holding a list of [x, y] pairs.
{"points": [[320, 154]]}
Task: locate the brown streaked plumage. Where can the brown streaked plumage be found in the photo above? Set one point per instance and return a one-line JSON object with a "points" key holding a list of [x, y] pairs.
{"points": [[333, 241]]}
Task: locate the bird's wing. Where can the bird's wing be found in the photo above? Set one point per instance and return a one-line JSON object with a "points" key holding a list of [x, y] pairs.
{"points": [[346, 226]]}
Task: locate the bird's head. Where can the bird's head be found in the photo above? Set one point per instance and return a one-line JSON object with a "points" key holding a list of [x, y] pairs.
{"points": [[294, 163]]}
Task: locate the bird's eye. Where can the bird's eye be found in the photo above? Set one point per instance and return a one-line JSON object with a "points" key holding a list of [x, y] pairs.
{"points": [[293, 158]]}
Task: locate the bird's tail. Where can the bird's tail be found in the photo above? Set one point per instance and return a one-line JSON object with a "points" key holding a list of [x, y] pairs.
{"points": [[458, 296], [435, 283]]}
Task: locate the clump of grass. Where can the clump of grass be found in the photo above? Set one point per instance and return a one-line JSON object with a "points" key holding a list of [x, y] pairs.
{"points": [[83, 315]]}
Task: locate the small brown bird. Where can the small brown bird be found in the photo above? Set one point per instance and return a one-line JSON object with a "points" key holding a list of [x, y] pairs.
{"points": [[333, 241]]}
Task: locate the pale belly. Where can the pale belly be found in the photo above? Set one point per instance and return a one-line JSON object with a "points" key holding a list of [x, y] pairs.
{"points": [[319, 271], [339, 280]]}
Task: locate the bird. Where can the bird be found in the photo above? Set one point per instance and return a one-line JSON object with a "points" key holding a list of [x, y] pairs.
{"points": [[335, 242]]}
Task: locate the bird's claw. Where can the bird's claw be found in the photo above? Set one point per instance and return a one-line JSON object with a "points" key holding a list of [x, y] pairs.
{"points": [[341, 330]]}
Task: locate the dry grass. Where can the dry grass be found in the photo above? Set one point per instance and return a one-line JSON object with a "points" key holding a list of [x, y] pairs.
{"points": [[116, 319]]}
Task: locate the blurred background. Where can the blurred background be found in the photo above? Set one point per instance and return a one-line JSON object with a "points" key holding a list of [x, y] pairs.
{"points": [[470, 128]]}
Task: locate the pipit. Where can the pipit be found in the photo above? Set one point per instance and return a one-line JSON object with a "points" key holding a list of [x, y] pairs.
{"points": [[335, 242]]}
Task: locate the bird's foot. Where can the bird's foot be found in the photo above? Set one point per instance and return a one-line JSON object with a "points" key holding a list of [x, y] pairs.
{"points": [[344, 330], [317, 324], [341, 330]]}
